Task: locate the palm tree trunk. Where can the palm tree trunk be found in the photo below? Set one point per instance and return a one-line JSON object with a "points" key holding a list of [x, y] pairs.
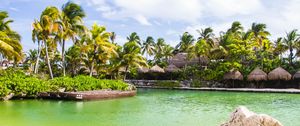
{"points": [[36, 69], [48, 60], [92, 68], [125, 73], [291, 57], [63, 58]]}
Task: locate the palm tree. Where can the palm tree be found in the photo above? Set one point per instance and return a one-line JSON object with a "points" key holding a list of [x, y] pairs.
{"points": [[159, 46], [10, 46], [201, 48], [71, 23], [148, 47], [98, 47], [4, 22], [32, 58], [133, 37], [131, 57], [167, 52], [236, 27], [73, 59], [48, 26], [207, 34], [291, 42], [186, 42], [37, 36]]}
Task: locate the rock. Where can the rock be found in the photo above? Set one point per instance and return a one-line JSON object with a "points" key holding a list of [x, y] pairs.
{"points": [[9, 96], [243, 117], [61, 89]]}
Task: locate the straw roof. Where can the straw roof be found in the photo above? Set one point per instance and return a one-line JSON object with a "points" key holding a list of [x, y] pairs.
{"points": [[156, 69], [181, 59], [257, 75], [233, 75], [143, 70], [297, 75], [171, 68], [279, 74]]}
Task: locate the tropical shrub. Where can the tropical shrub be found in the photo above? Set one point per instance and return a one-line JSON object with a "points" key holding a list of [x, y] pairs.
{"points": [[17, 82]]}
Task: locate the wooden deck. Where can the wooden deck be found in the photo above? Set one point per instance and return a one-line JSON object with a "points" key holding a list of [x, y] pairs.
{"points": [[263, 90]]}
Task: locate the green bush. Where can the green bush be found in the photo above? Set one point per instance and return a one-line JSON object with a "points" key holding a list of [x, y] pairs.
{"points": [[14, 81], [86, 83]]}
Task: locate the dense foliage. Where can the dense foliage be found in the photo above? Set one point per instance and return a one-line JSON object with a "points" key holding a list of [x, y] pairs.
{"points": [[95, 51], [12, 81]]}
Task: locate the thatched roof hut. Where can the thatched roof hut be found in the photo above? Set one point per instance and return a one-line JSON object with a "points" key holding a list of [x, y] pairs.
{"points": [[171, 68], [257, 75], [156, 69], [143, 70], [181, 59], [233, 75], [279, 74], [297, 75]]}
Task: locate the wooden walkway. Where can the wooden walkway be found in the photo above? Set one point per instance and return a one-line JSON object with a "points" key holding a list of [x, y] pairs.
{"points": [[263, 90]]}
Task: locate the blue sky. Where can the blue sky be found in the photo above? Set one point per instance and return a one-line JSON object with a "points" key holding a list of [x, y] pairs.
{"points": [[163, 18]]}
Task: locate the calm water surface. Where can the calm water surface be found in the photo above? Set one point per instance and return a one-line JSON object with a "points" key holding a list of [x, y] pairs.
{"points": [[151, 107]]}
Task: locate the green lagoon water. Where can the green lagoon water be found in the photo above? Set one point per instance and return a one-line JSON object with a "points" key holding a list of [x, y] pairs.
{"points": [[151, 107]]}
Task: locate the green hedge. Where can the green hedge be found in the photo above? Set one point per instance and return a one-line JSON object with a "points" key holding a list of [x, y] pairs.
{"points": [[12, 81], [86, 83]]}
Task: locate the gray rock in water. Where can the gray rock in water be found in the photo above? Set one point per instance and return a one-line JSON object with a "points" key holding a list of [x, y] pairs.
{"points": [[243, 117]]}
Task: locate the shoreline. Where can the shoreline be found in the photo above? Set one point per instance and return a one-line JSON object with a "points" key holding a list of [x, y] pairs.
{"points": [[88, 95], [253, 90]]}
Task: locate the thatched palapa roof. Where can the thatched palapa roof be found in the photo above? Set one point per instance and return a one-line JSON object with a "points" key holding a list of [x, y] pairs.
{"points": [[181, 59], [233, 75], [143, 70], [297, 75], [171, 68], [156, 69], [279, 74], [257, 75]]}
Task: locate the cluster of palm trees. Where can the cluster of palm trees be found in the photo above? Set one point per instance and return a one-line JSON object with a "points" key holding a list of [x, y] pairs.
{"points": [[95, 52], [10, 45]]}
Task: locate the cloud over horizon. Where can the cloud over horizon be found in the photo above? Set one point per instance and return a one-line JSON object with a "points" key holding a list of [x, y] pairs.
{"points": [[167, 18]]}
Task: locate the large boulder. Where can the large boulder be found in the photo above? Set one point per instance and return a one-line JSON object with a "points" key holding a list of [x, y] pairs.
{"points": [[243, 117]]}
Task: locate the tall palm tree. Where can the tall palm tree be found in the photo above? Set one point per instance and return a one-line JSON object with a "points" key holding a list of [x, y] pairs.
{"points": [[290, 43], [48, 26], [186, 42], [37, 37], [148, 47], [71, 23]]}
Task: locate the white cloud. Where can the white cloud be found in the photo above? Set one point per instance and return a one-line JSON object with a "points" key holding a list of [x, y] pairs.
{"points": [[142, 20], [226, 8], [14, 9], [144, 10]]}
